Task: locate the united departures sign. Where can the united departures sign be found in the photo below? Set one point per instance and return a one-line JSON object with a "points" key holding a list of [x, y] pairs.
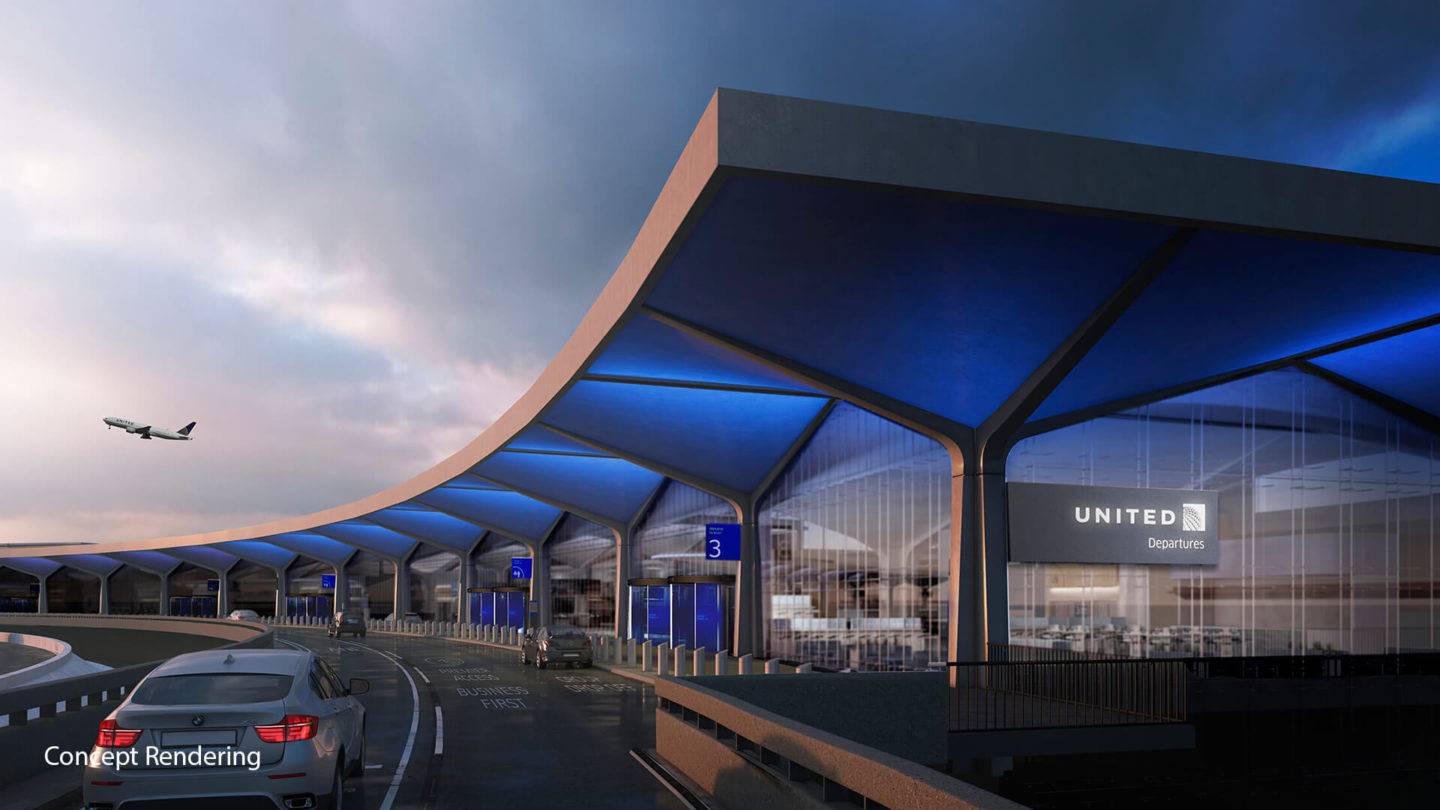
{"points": [[1070, 524]]}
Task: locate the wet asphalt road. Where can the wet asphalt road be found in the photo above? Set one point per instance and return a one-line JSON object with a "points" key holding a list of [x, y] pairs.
{"points": [[512, 736]]}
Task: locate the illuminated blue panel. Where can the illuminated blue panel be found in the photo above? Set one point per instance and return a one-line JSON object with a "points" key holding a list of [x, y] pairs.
{"points": [[431, 525], [1406, 367], [261, 552], [314, 546], [369, 536], [34, 566], [204, 556], [1234, 300], [649, 349], [155, 562], [606, 486], [507, 511], [97, 564], [945, 304], [730, 437], [536, 437]]}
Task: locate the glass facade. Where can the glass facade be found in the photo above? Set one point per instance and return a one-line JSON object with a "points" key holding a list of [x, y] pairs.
{"points": [[72, 591], [582, 575], [1328, 523], [371, 583], [855, 548], [670, 540], [491, 561], [19, 592], [303, 583], [134, 592], [435, 584], [252, 587], [190, 593]]}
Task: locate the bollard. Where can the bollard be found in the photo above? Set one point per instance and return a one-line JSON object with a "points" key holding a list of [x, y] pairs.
{"points": [[630, 651], [804, 668], [745, 664], [701, 657], [679, 662], [662, 658], [645, 657], [772, 666], [722, 667]]}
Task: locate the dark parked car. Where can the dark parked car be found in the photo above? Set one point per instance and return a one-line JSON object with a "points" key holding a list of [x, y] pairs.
{"points": [[342, 623], [556, 645]]}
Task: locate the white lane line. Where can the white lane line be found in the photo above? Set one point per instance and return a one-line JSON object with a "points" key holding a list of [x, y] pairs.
{"points": [[421, 673], [414, 726], [439, 731], [414, 719]]}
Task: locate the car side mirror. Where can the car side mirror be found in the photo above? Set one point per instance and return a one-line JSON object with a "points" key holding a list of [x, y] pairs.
{"points": [[358, 686]]}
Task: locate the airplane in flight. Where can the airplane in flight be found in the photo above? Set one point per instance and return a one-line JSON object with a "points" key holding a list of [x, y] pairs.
{"points": [[150, 431]]}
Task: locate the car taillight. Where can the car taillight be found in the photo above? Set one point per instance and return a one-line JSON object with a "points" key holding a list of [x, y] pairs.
{"points": [[112, 736], [291, 728]]}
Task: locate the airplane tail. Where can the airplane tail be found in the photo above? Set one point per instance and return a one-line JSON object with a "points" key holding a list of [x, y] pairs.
{"points": [[185, 431]]}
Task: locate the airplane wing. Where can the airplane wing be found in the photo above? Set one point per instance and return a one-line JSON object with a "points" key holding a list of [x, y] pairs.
{"points": [[144, 431]]}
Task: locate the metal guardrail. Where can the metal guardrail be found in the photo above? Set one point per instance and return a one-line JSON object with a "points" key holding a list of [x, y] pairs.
{"points": [[1004, 695]]}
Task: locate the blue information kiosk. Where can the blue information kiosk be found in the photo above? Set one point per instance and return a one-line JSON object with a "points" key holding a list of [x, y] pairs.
{"points": [[503, 605]]}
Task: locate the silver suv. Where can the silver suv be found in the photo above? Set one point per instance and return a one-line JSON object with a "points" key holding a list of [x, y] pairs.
{"points": [[272, 726]]}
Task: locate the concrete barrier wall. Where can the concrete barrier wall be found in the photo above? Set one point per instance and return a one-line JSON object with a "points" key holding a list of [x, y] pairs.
{"points": [[60, 657], [748, 756], [62, 720], [901, 713]]}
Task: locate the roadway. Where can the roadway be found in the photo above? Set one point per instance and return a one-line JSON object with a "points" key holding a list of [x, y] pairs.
{"points": [[504, 735], [19, 656]]}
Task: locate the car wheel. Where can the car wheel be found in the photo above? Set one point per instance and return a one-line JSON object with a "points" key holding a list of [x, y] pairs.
{"points": [[336, 799]]}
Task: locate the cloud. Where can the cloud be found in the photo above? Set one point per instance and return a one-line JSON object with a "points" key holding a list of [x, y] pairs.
{"points": [[345, 237]]}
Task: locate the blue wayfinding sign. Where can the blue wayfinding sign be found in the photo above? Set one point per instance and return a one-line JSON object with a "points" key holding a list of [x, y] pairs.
{"points": [[327, 580], [520, 567], [722, 541]]}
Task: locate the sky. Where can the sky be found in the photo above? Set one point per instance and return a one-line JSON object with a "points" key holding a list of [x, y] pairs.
{"points": [[345, 237]]}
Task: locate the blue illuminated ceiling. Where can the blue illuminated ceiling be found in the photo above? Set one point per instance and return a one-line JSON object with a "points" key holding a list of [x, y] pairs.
{"points": [[1405, 367], [436, 527], [315, 546], [502, 510], [155, 562], [34, 566], [944, 304], [204, 556], [267, 554], [1231, 301], [603, 485], [647, 349], [732, 438], [96, 564], [369, 536]]}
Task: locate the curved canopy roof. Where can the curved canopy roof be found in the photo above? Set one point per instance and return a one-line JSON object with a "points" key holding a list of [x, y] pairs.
{"points": [[968, 280]]}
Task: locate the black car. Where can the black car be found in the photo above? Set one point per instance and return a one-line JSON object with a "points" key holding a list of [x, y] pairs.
{"points": [[342, 623], [556, 645]]}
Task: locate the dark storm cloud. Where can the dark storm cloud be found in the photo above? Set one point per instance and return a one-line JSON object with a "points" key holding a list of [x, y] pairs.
{"points": [[345, 236]]}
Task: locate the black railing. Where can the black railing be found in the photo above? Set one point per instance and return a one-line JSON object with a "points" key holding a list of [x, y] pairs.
{"points": [[997, 695]]}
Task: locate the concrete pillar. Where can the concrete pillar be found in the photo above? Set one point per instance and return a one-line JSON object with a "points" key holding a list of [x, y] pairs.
{"points": [[645, 657], [104, 594], [282, 590], [630, 651], [747, 584], [745, 664], [979, 587], [467, 575], [402, 587], [772, 666], [222, 596], [540, 584], [662, 658], [42, 600], [164, 606], [679, 666], [622, 584], [722, 662], [341, 597], [702, 657]]}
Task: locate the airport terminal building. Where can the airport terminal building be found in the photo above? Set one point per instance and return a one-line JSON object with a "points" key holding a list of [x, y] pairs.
{"points": [[881, 391]]}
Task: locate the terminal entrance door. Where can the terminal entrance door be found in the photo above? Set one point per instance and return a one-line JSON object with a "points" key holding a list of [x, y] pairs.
{"points": [[693, 611]]}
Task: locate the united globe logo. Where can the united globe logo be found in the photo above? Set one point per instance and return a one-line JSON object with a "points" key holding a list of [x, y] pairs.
{"points": [[1192, 517]]}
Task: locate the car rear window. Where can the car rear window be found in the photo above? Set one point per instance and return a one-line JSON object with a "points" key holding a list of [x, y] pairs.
{"points": [[228, 687]]}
